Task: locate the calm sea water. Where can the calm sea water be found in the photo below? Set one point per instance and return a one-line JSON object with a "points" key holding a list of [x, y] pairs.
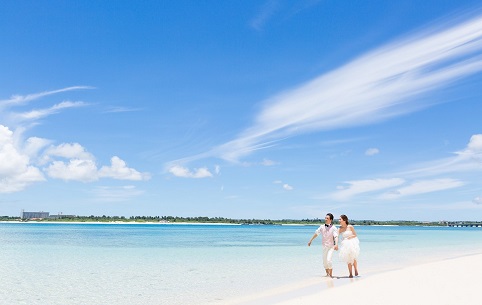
{"points": [[44, 263]]}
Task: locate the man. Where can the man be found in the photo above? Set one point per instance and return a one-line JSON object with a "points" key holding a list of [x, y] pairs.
{"points": [[329, 241]]}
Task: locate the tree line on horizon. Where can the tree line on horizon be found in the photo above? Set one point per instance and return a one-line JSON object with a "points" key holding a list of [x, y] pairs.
{"points": [[204, 219]]}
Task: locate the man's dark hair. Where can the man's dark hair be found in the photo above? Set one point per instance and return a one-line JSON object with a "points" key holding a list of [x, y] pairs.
{"points": [[331, 216]]}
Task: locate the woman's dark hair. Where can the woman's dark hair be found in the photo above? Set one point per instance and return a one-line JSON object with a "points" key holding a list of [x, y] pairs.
{"points": [[345, 219], [330, 215]]}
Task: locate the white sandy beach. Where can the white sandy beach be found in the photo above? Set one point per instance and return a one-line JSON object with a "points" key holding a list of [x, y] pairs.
{"points": [[451, 281]]}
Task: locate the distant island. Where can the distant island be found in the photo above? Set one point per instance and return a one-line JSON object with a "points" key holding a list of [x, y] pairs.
{"points": [[222, 220]]}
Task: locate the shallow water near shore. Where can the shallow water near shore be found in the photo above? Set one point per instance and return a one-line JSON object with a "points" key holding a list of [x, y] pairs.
{"points": [[45, 263]]}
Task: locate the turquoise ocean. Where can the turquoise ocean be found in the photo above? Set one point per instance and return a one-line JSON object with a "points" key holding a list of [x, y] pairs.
{"points": [[57, 263]]}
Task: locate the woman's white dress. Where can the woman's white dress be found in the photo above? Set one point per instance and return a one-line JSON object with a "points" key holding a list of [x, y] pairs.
{"points": [[349, 248]]}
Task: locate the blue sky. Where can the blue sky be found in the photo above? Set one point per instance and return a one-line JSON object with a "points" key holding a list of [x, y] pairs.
{"points": [[242, 109]]}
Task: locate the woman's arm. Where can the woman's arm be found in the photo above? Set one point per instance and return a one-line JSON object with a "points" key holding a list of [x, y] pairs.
{"points": [[352, 228]]}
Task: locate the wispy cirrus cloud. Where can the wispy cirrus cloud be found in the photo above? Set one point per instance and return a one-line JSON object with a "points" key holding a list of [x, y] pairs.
{"points": [[422, 187], [357, 187], [117, 109], [468, 159], [379, 85], [19, 120], [22, 99], [271, 8], [41, 113], [264, 14]]}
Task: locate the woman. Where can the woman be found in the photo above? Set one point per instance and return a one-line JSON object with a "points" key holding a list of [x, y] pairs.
{"points": [[350, 246]]}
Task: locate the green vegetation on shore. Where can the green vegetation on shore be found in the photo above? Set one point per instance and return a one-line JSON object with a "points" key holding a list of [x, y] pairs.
{"points": [[176, 219]]}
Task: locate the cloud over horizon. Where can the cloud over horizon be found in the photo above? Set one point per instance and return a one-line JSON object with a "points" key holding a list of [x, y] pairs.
{"points": [[467, 160], [116, 194]]}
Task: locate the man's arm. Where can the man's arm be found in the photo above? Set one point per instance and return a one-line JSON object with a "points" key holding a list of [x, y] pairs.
{"points": [[313, 237]]}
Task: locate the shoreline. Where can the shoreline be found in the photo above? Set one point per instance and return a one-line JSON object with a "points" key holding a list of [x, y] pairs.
{"points": [[220, 223], [122, 222], [446, 281]]}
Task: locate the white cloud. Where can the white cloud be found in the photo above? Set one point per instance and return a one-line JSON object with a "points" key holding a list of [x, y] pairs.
{"points": [[475, 144], [466, 160], [364, 186], [379, 85], [69, 151], [267, 162], [287, 187], [20, 181], [75, 169], [85, 170], [119, 170], [422, 187], [15, 120], [81, 165], [116, 194], [34, 145], [16, 173], [67, 161], [473, 152], [443, 206], [372, 151], [477, 200], [217, 169], [180, 171]]}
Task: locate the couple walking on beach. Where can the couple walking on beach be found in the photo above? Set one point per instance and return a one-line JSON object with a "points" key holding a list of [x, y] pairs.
{"points": [[349, 247]]}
